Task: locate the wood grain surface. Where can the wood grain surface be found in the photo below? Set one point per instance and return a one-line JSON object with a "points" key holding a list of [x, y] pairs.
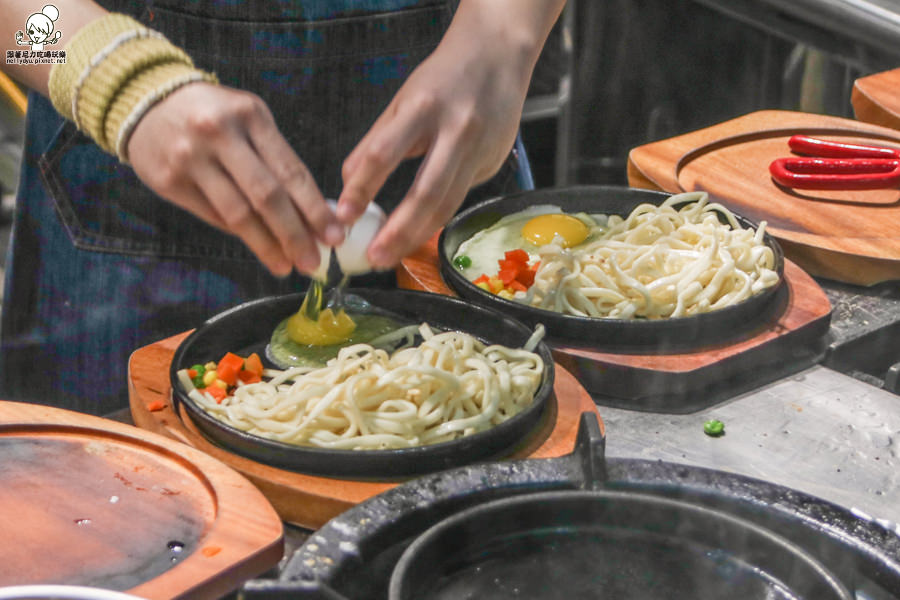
{"points": [[876, 99], [849, 236], [88, 501], [307, 500]]}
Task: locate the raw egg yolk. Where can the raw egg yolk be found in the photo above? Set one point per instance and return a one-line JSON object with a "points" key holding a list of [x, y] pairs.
{"points": [[327, 330], [542, 229]]}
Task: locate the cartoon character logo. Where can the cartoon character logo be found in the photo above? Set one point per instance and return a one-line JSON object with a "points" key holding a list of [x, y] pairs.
{"points": [[39, 28]]}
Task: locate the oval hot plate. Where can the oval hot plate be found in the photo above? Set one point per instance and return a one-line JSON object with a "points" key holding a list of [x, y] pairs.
{"points": [[248, 327], [632, 335]]}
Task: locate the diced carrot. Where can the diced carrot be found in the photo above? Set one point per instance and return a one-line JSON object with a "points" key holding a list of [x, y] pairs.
{"points": [[517, 287], [249, 376], [535, 266], [227, 372], [517, 255], [254, 364], [483, 279], [228, 368], [192, 373], [496, 284], [511, 264], [217, 393], [156, 405], [233, 360]]}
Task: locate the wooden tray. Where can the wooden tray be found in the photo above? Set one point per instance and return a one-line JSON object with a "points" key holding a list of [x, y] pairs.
{"points": [[88, 501], [307, 500], [876, 99], [849, 236], [686, 381]]}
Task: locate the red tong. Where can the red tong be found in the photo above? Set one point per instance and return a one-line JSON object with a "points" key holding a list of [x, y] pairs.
{"points": [[836, 166]]}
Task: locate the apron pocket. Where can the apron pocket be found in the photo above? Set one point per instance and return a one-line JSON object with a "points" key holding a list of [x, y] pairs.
{"points": [[105, 207]]}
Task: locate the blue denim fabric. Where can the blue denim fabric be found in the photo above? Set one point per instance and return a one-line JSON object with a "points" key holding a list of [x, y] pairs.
{"points": [[100, 266]]}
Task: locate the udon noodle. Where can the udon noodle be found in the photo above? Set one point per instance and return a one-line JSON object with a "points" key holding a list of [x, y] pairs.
{"points": [[660, 261], [450, 385]]}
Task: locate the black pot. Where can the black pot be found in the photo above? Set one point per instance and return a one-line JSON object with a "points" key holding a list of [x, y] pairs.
{"points": [[633, 335], [604, 544], [248, 327]]}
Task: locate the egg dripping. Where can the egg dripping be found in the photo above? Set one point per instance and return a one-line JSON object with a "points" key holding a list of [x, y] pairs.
{"points": [[543, 229]]}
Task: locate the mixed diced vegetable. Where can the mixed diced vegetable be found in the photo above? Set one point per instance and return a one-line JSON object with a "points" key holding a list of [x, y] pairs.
{"points": [[220, 379], [515, 275]]}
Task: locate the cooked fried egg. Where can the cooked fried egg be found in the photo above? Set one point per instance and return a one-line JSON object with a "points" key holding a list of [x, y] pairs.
{"points": [[529, 229]]}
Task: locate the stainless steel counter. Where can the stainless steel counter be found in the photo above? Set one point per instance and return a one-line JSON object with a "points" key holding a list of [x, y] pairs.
{"points": [[819, 432]]}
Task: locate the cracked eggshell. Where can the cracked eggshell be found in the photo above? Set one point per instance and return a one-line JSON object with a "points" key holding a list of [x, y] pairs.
{"points": [[351, 255], [321, 272]]}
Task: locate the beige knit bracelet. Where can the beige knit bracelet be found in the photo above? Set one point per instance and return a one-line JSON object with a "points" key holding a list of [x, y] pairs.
{"points": [[116, 70]]}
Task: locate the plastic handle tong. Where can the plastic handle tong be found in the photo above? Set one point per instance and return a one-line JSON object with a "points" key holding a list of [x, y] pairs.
{"points": [[836, 166]]}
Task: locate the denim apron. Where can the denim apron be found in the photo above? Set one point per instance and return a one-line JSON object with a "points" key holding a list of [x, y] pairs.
{"points": [[100, 266]]}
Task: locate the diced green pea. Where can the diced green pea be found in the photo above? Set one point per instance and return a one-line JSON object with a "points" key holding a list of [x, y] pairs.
{"points": [[200, 369], [462, 262], [714, 428]]}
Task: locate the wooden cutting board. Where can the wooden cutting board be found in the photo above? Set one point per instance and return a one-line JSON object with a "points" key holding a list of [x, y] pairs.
{"points": [[849, 236], [88, 501], [876, 99], [308, 500]]}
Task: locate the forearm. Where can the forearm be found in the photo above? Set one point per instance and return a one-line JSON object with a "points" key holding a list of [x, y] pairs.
{"points": [[73, 15], [515, 29]]}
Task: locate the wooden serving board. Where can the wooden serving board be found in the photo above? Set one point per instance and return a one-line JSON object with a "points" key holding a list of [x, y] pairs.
{"points": [[876, 99], [308, 500], [689, 380], [849, 236], [88, 501]]}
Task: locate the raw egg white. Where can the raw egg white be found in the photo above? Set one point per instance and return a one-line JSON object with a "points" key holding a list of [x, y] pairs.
{"points": [[529, 229]]}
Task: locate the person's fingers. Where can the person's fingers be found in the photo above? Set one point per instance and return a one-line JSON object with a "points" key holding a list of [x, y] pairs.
{"points": [[271, 203], [373, 160], [294, 176], [238, 215], [439, 188], [196, 203]]}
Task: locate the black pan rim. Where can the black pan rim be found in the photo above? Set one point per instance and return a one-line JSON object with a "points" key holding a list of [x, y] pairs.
{"points": [[713, 516], [378, 463], [641, 334]]}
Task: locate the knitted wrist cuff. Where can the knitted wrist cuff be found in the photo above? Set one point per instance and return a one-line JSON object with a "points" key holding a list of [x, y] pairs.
{"points": [[116, 70], [142, 92]]}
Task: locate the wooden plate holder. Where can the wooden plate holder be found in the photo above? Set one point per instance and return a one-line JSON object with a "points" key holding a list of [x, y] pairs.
{"points": [[307, 500], [90, 501]]}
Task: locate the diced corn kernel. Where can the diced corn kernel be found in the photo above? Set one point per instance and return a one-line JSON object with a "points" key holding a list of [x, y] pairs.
{"points": [[484, 285], [209, 377], [210, 366], [505, 294], [221, 384]]}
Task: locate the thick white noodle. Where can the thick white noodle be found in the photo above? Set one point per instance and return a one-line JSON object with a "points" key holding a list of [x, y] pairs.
{"points": [[450, 385], [659, 262]]}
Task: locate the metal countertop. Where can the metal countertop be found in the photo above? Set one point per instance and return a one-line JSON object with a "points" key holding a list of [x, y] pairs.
{"points": [[819, 431]]}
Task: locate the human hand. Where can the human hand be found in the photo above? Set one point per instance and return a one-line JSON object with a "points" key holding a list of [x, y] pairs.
{"points": [[460, 109], [217, 153]]}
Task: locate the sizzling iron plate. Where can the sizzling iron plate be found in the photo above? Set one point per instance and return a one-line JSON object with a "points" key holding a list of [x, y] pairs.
{"points": [[633, 335], [247, 328]]}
